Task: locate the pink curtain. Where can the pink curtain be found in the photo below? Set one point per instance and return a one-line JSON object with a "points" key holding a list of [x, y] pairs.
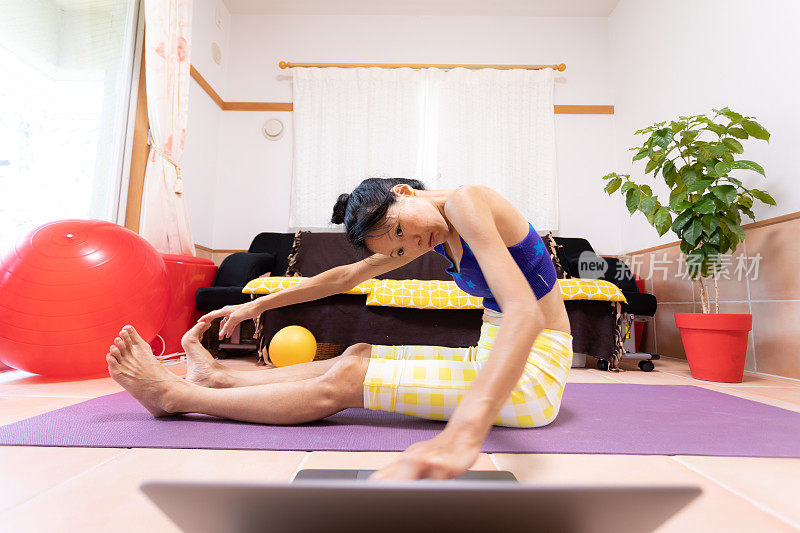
{"points": [[165, 221]]}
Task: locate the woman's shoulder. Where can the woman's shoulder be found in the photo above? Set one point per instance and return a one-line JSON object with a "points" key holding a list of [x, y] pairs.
{"points": [[508, 220]]}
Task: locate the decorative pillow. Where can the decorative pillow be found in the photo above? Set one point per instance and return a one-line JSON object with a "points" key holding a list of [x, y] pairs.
{"points": [[437, 294], [272, 284], [590, 289], [421, 294], [552, 247]]}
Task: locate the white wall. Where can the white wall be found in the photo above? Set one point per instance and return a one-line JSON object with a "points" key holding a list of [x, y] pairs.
{"points": [[254, 174], [202, 146], [687, 57]]}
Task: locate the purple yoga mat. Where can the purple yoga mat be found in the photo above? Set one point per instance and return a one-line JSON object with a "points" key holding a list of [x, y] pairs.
{"points": [[594, 418]]}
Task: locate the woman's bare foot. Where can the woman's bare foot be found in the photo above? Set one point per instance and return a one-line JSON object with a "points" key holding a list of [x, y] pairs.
{"points": [[201, 367], [131, 363]]}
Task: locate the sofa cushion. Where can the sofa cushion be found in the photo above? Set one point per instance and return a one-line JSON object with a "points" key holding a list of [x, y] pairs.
{"points": [[438, 294], [269, 285], [421, 294]]}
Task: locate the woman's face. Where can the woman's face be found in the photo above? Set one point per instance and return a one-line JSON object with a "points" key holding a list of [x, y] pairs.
{"points": [[407, 228]]}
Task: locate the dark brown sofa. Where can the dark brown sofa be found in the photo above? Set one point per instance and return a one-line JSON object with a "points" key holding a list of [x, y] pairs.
{"points": [[344, 319]]}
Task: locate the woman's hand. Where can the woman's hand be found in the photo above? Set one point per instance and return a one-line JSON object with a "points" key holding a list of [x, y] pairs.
{"points": [[446, 456], [232, 315]]}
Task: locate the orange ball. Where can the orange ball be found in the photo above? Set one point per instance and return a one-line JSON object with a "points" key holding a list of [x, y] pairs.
{"points": [[292, 345]]}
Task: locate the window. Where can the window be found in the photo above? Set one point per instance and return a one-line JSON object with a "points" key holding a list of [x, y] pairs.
{"points": [[65, 78]]}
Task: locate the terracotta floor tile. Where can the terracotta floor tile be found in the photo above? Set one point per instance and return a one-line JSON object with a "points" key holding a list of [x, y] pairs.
{"points": [[372, 460], [774, 483], [97, 489], [749, 379], [587, 375], [15, 408], [717, 509], [107, 497], [783, 394], [19, 383], [30, 470]]}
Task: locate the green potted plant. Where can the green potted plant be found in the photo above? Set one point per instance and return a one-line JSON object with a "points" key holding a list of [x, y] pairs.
{"points": [[694, 156]]}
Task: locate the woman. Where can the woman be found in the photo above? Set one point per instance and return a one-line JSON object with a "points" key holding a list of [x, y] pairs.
{"points": [[515, 376]]}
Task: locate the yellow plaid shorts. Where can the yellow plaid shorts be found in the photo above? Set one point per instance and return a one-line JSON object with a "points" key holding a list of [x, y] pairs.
{"points": [[430, 381]]}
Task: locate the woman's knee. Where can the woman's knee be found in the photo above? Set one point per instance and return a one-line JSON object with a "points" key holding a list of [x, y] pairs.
{"points": [[361, 349], [344, 380]]}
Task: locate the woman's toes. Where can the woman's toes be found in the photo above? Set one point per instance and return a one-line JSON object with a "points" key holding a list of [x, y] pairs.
{"points": [[119, 344], [195, 334], [134, 335], [127, 339]]}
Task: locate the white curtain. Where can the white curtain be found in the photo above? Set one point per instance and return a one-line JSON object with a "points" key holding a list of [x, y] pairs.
{"points": [[164, 220], [447, 128]]}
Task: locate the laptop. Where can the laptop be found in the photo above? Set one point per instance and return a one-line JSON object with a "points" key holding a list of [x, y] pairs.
{"points": [[332, 501]]}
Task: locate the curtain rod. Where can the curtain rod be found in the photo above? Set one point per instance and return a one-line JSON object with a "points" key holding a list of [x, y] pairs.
{"points": [[285, 64]]}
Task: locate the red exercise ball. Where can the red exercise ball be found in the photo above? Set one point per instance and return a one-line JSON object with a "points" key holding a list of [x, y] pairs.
{"points": [[68, 288]]}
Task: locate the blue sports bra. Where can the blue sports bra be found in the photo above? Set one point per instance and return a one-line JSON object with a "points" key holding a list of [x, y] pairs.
{"points": [[530, 255]]}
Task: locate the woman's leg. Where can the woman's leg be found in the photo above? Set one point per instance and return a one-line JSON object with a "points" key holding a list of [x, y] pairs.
{"points": [[204, 370], [132, 365], [418, 381]]}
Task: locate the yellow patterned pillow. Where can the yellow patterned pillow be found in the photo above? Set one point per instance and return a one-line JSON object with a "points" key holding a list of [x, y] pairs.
{"points": [[269, 285], [437, 294], [590, 289], [421, 294]]}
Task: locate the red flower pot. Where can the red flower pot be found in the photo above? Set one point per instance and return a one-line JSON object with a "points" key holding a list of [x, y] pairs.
{"points": [[715, 344]]}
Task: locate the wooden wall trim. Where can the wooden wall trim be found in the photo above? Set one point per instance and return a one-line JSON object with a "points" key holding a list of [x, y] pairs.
{"points": [[206, 87], [752, 225], [288, 106], [584, 109], [139, 153]]}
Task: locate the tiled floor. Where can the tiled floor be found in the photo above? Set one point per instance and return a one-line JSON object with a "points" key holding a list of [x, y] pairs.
{"points": [[96, 489]]}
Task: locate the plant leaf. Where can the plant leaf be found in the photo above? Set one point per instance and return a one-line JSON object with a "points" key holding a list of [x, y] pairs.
{"points": [[739, 133], [688, 176], [722, 169], [700, 185], [734, 145], [710, 223], [693, 231], [678, 194], [613, 185], [647, 204], [662, 221], [632, 198], [706, 205], [726, 193], [749, 165], [763, 196], [755, 129], [681, 220], [717, 149], [663, 137]]}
